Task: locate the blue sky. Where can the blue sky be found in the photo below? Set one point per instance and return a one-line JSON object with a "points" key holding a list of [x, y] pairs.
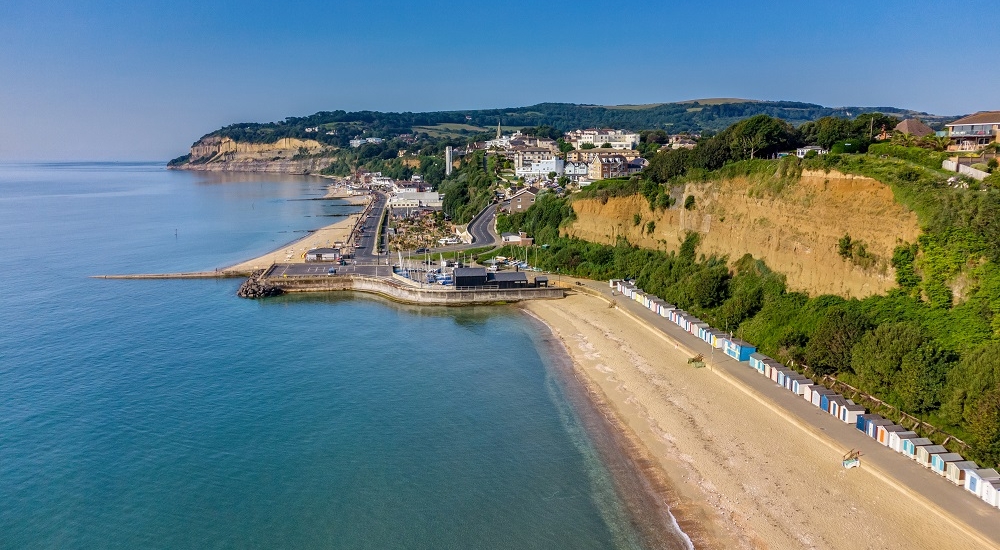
{"points": [[131, 80]]}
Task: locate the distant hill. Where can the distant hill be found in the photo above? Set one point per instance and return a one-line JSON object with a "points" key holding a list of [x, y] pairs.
{"points": [[336, 128]]}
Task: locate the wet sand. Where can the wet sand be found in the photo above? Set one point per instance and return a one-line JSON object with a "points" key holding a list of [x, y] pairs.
{"points": [[734, 473]]}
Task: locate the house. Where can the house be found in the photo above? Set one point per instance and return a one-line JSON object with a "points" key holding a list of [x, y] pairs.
{"points": [[801, 152], [617, 139], [914, 127], [975, 478], [469, 276], [506, 279], [522, 200], [575, 170], [974, 132], [637, 165], [323, 255], [738, 349], [588, 155], [610, 166], [517, 239]]}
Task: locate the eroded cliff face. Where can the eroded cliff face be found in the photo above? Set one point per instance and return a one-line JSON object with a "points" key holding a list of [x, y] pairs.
{"points": [[794, 229], [286, 156]]}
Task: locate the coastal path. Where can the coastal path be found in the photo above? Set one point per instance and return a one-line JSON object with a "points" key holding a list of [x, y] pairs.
{"points": [[956, 506]]}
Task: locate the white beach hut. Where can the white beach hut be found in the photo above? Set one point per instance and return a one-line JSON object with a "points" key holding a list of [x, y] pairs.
{"points": [[990, 490], [958, 471], [925, 452], [883, 431], [975, 478], [849, 413], [834, 403], [909, 446], [798, 383], [940, 462], [896, 439]]}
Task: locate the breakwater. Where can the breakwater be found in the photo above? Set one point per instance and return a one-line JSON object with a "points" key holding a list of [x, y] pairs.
{"points": [[409, 294]]}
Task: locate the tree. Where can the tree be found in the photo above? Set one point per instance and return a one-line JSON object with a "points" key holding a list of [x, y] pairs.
{"points": [[689, 202], [878, 357], [936, 143], [829, 348], [605, 146], [760, 135], [587, 146], [921, 380]]}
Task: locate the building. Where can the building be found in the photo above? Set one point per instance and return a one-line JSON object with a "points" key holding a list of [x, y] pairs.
{"points": [[362, 141], [526, 156], [542, 167], [617, 139], [914, 127], [517, 239], [611, 166], [974, 132], [588, 155], [323, 255], [469, 276], [416, 199], [637, 165], [738, 349], [801, 152], [575, 170], [449, 160], [507, 279], [522, 200]]}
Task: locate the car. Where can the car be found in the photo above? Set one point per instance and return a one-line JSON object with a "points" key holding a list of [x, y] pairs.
{"points": [[421, 250], [331, 271]]}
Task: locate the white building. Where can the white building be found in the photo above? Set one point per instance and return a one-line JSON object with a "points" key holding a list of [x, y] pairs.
{"points": [[542, 168], [618, 139], [575, 170], [802, 151], [416, 199], [361, 141]]}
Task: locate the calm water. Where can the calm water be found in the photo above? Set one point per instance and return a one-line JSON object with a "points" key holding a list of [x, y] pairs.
{"points": [[171, 414]]}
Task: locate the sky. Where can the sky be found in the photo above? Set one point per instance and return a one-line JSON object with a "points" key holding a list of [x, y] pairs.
{"points": [[142, 80]]}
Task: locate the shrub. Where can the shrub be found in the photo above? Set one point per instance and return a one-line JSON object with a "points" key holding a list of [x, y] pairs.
{"points": [[689, 202]]}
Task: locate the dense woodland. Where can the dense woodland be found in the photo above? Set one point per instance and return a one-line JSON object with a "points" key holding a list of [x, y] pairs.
{"points": [[672, 117], [920, 349]]}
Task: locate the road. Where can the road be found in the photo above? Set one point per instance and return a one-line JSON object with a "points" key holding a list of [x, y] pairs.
{"points": [[482, 228], [891, 467]]}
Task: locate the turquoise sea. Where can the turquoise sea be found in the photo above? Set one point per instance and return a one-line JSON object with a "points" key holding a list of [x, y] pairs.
{"points": [[171, 414]]}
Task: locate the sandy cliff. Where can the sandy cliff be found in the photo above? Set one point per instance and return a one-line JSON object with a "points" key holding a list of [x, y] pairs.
{"points": [[287, 156], [794, 229]]}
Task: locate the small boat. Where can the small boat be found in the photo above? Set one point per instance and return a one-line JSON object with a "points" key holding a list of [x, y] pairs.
{"points": [[852, 459]]}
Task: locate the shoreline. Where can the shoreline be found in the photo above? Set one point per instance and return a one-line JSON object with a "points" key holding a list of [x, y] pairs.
{"points": [[334, 232], [647, 497], [736, 473]]}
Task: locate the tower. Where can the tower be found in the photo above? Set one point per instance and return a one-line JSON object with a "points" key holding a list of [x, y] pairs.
{"points": [[449, 159], [498, 129]]}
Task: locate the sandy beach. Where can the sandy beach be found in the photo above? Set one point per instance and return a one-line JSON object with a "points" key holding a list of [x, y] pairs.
{"points": [[736, 474], [294, 252]]}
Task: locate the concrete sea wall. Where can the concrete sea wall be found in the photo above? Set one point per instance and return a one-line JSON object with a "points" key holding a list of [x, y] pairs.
{"points": [[414, 295]]}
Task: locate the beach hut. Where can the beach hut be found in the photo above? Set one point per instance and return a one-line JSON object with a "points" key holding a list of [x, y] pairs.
{"points": [[757, 361], [818, 395], [849, 413], [871, 430], [808, 389], [909, 446], [924, 453], [939, 462], [834, 403], [799, 383], [896, 440], [792, 380], [974, 480], [990, 490], [665, 309], [958, 471], [695, 325], [738, 349], [882, 435]]}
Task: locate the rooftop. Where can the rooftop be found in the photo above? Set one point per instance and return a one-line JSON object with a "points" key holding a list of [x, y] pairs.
{"points": [[982, 117]]}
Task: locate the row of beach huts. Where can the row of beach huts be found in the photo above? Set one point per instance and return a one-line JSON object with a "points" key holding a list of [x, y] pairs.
{"points": [[982, 482]]}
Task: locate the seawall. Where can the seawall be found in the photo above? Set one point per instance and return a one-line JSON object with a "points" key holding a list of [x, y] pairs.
{"points": [[413, 295]]}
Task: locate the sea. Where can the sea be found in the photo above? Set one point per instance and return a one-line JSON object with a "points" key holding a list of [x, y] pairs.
{"points": [[172, 414]]}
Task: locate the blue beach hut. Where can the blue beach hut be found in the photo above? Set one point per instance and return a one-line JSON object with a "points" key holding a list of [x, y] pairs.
{"points": [[738, 349]]}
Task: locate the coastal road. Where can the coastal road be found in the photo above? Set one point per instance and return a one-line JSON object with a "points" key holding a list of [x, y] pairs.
{"points": [[893, 468], [482, 228]]}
